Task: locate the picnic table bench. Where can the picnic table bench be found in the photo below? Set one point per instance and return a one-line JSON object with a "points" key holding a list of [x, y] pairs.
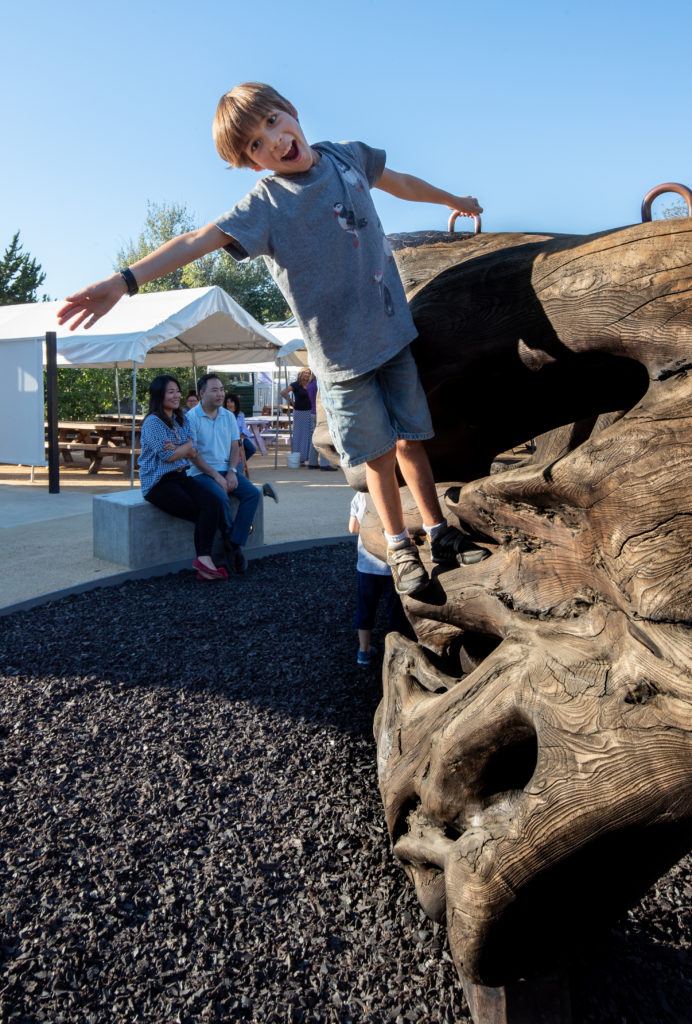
{"points": [[97, 440]]}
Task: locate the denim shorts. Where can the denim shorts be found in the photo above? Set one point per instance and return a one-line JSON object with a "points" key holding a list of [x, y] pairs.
{"points": [[367, 415]]}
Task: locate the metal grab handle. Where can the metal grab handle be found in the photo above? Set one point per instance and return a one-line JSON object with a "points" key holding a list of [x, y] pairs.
{"points": [[476, 222], [658, 190]]}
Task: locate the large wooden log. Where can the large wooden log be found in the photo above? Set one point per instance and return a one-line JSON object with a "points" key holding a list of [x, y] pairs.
{"points": [[534, 745]]}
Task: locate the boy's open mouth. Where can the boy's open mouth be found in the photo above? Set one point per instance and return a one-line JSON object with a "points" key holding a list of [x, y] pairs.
{"points": [[292, 153]]}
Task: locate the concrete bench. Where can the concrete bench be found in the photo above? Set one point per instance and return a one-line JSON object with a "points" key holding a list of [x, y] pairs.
{"points": [[131, 531]]}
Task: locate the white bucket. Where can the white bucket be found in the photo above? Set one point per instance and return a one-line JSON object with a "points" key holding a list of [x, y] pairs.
{"points": [[293, 460]]}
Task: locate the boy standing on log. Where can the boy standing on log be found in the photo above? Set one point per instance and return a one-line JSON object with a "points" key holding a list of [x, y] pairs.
{"points": [[313, 220]]}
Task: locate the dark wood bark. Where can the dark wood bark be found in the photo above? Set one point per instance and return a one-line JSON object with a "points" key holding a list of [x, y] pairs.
{"points": [[534, 744]]}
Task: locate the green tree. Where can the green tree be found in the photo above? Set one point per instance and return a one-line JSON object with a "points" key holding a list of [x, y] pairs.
{"points": [[20, 275], [249, 283], [84, 393], [163, 222]]}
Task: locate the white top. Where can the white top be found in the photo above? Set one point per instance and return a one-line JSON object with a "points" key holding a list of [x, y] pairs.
{"points": [[366, 562]]}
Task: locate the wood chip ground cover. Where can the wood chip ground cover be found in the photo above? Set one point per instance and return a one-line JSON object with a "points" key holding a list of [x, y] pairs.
{"points": [[191, 827]]}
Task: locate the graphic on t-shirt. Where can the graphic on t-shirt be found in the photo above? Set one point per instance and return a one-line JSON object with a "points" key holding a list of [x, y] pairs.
{"points": [[351, 176], [385, 293], [349, 222]]}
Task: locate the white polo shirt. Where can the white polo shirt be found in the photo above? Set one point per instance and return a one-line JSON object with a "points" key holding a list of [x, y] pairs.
{"points": [[213, 437]]}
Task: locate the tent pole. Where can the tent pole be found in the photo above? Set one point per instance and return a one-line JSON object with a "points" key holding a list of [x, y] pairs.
{"points": [[117, 390], [134, 424], [52, 410], [290, 412], [276, 410]]}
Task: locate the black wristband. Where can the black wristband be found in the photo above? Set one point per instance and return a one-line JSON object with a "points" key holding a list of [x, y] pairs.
{"points": [[130, 280]]}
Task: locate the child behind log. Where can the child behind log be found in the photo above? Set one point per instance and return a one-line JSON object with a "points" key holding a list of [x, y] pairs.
{"points": [[374, 586]]}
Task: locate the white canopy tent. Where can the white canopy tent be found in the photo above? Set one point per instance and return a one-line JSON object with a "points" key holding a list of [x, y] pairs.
{"points": [[292, 353], [185, 327], [293, 349]]}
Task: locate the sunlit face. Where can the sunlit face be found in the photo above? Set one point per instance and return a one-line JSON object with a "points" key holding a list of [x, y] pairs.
{"points": [[213, 394], [171, 398], [191, 401], [278, 144], [230, 404]]}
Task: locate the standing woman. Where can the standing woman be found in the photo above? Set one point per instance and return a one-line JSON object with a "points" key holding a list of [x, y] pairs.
{"points": [[296, 393], [163, 464]]}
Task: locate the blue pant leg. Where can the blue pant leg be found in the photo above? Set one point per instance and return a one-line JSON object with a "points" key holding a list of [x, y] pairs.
{"points": [[226, 513], [248, 497]]}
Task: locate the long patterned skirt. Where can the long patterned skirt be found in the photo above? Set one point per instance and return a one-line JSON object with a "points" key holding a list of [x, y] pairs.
{"points": [[302, 433]]}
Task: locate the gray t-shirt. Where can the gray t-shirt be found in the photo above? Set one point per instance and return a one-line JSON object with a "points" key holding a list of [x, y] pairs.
{"points": [[324, 246]]}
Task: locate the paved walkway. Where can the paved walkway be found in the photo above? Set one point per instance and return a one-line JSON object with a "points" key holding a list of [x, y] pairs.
{"points": [[46, 539]]}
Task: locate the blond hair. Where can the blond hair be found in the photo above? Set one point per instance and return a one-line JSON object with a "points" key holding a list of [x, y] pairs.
{"points": [[237, 113]]}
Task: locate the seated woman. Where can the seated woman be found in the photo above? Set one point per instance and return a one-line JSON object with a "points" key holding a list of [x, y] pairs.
{"points": [[232, 403], [163, 463]]}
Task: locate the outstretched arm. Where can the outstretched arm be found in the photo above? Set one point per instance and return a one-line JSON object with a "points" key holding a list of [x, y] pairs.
{"points": [[91, 303], [406, 186]]}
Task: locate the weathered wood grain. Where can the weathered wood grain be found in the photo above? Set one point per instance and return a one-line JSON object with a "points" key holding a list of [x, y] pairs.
{"points": [[535, 744]]}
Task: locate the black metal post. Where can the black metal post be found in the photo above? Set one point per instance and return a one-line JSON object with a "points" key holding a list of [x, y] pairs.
{"points": [[52, 402]]}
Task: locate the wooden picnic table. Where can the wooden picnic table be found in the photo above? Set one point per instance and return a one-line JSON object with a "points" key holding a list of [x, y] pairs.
{"points": [[96, 440], [125, 417]]}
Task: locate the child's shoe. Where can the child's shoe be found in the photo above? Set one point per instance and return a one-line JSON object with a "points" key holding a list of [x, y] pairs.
{"points": [[408, 572], [450, 546], [364, 659]]}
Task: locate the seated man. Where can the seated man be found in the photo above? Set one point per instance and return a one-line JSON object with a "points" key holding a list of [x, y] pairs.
{"points": [[216, 437]]}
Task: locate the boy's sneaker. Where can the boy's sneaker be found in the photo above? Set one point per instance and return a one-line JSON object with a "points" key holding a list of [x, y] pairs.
{"points": [[408, 572], [450, 546], [364, 659]]}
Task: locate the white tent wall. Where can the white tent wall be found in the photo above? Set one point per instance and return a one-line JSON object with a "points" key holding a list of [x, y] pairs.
{"points": [[22, 437]]}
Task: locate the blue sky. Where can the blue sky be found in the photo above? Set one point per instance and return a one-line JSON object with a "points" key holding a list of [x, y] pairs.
{"points": [[558, 116]]}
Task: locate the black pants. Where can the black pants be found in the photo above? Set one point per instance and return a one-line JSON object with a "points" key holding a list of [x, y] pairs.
{"points": [[181, 496]]}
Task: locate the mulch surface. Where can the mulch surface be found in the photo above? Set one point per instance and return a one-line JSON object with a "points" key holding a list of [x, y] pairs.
{"points": [[192, 831]]}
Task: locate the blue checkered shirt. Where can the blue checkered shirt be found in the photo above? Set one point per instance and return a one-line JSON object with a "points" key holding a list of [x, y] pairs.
{"points": [[154, 461]]}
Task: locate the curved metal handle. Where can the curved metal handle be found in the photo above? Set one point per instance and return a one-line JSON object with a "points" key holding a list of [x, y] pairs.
{"points": [[476, 222], [658, 190]]}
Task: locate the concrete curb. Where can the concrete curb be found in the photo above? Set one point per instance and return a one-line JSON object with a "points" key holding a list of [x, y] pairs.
{"points": [[170, 567]]}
